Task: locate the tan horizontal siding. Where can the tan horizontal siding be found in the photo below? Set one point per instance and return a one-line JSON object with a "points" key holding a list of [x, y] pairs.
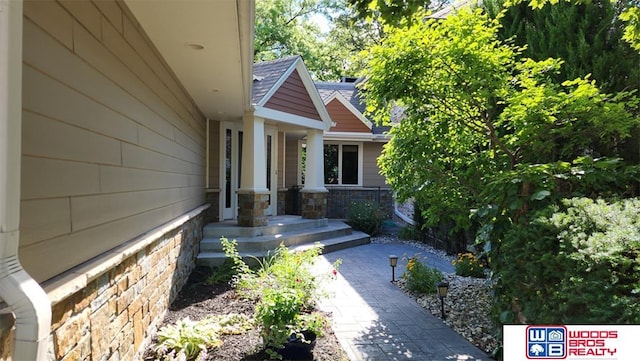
{"points": [[56, 255], [371, 171], [112, 144], [44, 219], [45, 137]]}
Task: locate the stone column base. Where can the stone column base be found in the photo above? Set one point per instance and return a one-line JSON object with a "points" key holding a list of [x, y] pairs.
{"points": [[314, 205], [252, 206], [282, 201]]}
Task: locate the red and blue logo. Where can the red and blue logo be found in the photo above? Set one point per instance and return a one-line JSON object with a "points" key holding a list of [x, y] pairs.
{"points": [[546, 342]]}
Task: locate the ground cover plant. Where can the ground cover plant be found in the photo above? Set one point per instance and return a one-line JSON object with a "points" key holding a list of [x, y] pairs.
{"points": [[199, 299], [188, 339]]}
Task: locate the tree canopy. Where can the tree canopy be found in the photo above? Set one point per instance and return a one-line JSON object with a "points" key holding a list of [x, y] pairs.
{"points": [[485, 128], [587, 37], [284, 28]]}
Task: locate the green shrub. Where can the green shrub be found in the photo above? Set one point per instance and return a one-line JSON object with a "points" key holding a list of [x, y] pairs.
{"points": [[410, 233], [468, 265], [577, 263], [365, 216], [421, 279], [285, 291]]}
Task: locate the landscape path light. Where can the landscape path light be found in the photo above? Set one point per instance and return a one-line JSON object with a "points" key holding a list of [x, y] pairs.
{"points": [[443, 287], [393, 262]]}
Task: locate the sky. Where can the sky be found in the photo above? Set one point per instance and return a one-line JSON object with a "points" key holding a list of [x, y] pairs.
{"points": [[322, 22]]}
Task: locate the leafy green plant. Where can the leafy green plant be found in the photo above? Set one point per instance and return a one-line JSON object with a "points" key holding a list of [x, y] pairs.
{"points": [[421, 279], [365, 216], [468, 265], [410, 233], [188, 339], [221, 274], [285, 291]]}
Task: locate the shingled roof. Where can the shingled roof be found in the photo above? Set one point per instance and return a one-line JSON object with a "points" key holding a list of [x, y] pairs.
{"points": [[267, 73], [347, 90]]}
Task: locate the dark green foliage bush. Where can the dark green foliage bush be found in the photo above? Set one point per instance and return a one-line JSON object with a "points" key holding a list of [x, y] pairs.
{"points": [[577, 263], [410, 233], [421, 279], [365, 216]]}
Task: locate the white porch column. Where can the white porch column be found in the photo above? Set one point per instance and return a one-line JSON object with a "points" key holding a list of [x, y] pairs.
{"points": [[254, 168], [314, 177], [24, 296], [253, 195]]}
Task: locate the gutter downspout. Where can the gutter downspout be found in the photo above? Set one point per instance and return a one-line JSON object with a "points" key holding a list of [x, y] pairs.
{"points": [[24, 296]]}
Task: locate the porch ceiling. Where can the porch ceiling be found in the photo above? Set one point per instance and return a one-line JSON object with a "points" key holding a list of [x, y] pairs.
{"points": [[209, 46]]}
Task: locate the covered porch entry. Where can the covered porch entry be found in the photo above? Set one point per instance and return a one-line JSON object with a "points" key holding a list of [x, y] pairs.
{"points": [[247, 157], [251, 159]]}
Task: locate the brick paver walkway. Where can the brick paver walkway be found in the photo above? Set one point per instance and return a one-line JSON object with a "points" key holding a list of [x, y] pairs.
{"points": [[375, 321]]}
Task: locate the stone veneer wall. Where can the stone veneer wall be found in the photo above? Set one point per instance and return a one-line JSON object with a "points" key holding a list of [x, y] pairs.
{"points": [[339, 199], [114, 315]]}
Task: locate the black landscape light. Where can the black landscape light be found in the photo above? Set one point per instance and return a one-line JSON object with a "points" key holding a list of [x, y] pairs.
{"points": [[443, 287], [393, 262]]}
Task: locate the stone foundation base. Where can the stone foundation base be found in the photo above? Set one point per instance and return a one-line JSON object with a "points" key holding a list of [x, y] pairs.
{"points": [[314, 205], [111, 310], [252, 206], [282, 201]]}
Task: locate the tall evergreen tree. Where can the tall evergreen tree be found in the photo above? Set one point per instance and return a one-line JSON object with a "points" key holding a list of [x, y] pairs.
{"points": [[586, 36]]}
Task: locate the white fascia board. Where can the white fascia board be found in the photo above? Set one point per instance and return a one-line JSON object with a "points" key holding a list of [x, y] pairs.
{"points": [[346, 136], [284, 117], [350, 107]]}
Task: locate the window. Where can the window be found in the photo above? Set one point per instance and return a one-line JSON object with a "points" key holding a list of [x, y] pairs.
{"points": [[342, 163]]}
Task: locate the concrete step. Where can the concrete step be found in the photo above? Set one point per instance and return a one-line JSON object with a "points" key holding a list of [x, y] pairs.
{"points": [[288, 238], [333, 244], [276, 225]]}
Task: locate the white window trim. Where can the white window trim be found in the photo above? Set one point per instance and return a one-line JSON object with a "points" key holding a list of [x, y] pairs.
{"points": [[340, 144]]}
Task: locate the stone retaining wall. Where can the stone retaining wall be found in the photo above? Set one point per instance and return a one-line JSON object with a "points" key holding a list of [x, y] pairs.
{"points": [[339, 199]]}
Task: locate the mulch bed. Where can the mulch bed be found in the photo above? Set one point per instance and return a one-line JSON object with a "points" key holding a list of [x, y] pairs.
{"points": [[197, 299]]}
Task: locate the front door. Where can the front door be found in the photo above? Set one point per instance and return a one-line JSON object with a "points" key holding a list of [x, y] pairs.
{"points": [[231, 165], [270, 144]]}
